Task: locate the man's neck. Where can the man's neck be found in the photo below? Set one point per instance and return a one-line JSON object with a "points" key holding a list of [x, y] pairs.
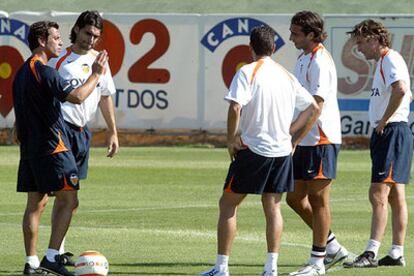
{"points": [[310, 47], [382, 52], [41, 56], [256, 58], [77, 50]]}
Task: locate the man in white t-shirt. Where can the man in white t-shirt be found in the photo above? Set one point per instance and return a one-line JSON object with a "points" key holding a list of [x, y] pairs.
{"points": [[74, 65], [316, 155], [262, 97], [391, 143]]}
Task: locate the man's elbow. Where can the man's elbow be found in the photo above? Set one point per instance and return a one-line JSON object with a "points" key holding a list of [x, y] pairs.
{"points": [[399, 88], [75, 99], [315, 110], [235, 107]]}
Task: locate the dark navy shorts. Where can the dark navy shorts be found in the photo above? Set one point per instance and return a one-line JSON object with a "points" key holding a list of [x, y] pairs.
{"points": [[49, 173], [251, 173], [79, 139], [315, 162], [391, 154]]}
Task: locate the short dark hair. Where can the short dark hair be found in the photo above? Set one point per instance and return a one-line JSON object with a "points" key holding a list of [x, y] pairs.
{"points": [[310, 22], [372, 29], [38, 30], [262, 40], [87, 18]]}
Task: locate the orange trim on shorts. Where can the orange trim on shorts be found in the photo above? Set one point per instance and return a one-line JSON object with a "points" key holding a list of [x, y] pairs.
{"points": [[256, 68], [228, 189], [33, 68], [323, 140], [62, 59], [389, 177], [320, 173], [66, 186], [60, 146]]}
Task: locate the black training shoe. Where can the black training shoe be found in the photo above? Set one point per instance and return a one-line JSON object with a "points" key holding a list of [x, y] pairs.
{"points": [[28, 270], [389, 261], [67, 259], [56, 268], [366, 259]]}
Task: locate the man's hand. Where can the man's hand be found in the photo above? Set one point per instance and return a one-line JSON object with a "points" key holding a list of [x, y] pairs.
{"points": [[113, 145], [233, 147], [99, 65], [380, 127]]}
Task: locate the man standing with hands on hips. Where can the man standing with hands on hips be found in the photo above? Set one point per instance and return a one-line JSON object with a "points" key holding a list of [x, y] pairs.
{"points": [[262, 99]]}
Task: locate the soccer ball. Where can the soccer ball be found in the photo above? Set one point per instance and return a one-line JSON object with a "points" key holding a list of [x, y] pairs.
{"points": [[91, 263]]}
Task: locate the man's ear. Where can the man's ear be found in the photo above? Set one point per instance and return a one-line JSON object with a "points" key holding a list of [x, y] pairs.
{"points": [[76, 29], [311, 36], [252, 53], [274, 48], [42, 41]]}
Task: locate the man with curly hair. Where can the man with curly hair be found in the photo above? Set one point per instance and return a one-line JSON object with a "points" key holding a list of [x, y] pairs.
{"points": [[391, 143]]}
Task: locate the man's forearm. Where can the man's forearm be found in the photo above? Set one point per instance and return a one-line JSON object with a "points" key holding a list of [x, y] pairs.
{"points": [[107, 109]]}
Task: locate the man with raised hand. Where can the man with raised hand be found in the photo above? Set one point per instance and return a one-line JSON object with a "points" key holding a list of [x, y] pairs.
{"points": [[46, 162], [262, 97], [316, 155], [74, 65], [391, 143]]}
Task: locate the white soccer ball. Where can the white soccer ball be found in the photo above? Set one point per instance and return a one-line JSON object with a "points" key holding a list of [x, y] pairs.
{"points": [[91, 263]]}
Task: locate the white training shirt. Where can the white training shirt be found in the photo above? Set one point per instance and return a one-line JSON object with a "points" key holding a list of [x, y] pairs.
{"points": [[390, 68], [268, 95], [316, 72], [77, 69]]}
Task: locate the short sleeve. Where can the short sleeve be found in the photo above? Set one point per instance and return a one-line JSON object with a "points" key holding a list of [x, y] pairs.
{"points": [[393, 68], [240, 91], [106, 83], [303, 98], [319, 79], [57, 85]]}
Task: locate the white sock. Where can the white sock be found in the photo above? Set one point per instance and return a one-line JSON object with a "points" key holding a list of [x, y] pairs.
{"points": [[332, 245], [33, 261], [50, 254], [62, 247], [316, 261], [373, 246], [222, 263], [271, 261], [396, 251]]}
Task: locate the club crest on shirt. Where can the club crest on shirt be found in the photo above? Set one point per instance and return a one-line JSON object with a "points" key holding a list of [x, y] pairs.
{"points": [[85, 68], [74, 179]]}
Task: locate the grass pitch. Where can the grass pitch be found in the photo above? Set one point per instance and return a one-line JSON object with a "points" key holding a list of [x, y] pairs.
{"points": [[153, 211]]}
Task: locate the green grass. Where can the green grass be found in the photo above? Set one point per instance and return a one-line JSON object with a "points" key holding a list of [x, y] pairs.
{"points": [[153, 211]]}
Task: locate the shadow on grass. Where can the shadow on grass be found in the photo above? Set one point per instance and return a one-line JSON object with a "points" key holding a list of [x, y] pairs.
{"points": [[154, 265], [10, 273], [114, 266]]}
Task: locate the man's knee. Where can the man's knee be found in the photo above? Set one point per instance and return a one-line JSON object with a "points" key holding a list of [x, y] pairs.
{"points": [[67, 200], [378, 200], [36, 206], [295, 202], [318, 201]]}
